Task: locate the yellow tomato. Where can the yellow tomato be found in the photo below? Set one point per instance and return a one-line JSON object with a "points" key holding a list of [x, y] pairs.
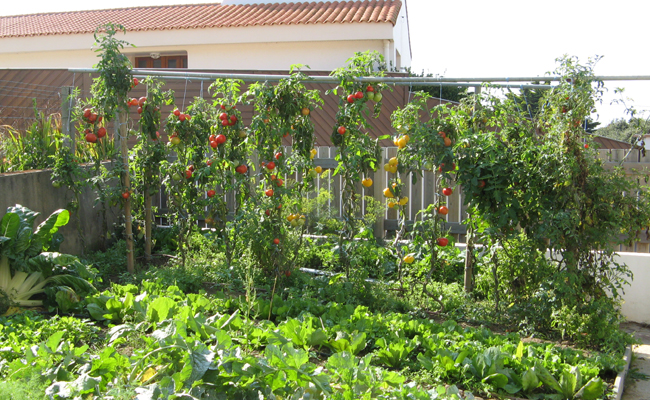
{"points": [[318, 169], [407, 138], [391, 204], [401, 142], [408, 259], [387, 167], [367, 182], [392, 169], [392, 161], [388, 193], [403, 201], [312, 153]]}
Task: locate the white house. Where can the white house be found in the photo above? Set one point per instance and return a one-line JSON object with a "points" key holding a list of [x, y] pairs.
{"points": [[231, 35]]}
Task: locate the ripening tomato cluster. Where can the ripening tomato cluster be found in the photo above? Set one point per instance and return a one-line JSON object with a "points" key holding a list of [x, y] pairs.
{"points": [[370, 94], [217, 140], [93, 131], [228, 120], [181, 116]]}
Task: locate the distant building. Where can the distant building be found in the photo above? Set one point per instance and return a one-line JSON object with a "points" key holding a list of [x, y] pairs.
{"points": [[232, 35]]}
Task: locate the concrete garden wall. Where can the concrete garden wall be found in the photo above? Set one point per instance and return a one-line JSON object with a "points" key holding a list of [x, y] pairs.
{"points": [[637, 296], [34, 190]]}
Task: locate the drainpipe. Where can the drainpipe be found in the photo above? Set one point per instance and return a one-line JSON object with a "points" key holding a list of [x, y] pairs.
{"points": [[387, 54]]}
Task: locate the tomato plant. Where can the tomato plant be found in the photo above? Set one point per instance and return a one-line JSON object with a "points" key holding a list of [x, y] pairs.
{"points": [[357, 154], [282, 115]]}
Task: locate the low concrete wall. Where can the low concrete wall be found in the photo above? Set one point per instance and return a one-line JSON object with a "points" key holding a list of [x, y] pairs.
{"points": [[636, 306], [34, 190]]}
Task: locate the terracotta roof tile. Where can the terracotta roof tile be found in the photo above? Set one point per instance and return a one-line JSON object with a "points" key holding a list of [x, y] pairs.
{"points": [[195, 16]]}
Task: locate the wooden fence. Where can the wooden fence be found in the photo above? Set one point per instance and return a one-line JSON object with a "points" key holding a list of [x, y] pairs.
{"points": [[427, 188]]}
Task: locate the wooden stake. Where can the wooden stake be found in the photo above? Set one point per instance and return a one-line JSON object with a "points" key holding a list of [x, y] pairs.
{"points": [[126, 183]]}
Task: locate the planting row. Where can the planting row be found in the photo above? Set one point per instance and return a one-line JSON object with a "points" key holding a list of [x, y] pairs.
{"points": [[163, 342]]}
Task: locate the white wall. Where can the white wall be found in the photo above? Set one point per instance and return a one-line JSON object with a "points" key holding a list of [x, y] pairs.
{"points": [[322, 47], [637, 296], [401, 39]]}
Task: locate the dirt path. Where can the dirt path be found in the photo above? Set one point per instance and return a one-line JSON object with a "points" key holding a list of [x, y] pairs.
{"points": [[638, 389]]}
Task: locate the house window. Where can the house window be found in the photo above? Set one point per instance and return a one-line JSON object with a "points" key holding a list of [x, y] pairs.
{"points": [[161, 62]]}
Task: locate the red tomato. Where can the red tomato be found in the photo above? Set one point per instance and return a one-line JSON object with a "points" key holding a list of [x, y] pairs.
{"points": [[279, 182], [87, 113], [190, 167], [481, 184], [214, 144], [443, 210], [212, 138], [270, 165], [126, 195], [278, 155], [220, 139], [91, 138], [211, 193], [135, 82], [140, 110], [233, 119], [223, 116], [341, 130], [188, 174], [177, 112], [92, 118], [209, 162], [101, 132], [180, 117], [242, 169], [447, 191], [141, 101], [267, 212], [359, 95], [370, 89], [351, 98], [269, 192], [442, 242], [276, 241]]}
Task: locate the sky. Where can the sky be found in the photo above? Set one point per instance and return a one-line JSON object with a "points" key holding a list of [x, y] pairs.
{"points": [[498, 38]]}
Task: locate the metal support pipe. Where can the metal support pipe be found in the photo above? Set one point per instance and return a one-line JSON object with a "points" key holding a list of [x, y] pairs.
{"points": [[386, 79], [317, 80]]}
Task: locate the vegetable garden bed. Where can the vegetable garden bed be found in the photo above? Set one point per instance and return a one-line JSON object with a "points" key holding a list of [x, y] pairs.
{"points": [[160, 341], [542, 217]]}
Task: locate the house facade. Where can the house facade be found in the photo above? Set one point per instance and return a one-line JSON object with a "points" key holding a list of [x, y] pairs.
{"points": [[231, 35]]}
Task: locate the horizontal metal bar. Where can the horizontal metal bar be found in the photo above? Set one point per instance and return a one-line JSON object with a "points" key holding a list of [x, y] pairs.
{"points": [[326, 78], [413, 81], [455, 228]]}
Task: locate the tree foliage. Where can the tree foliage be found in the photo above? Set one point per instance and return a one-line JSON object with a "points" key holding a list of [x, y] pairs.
{"points": [[625, 131]]}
